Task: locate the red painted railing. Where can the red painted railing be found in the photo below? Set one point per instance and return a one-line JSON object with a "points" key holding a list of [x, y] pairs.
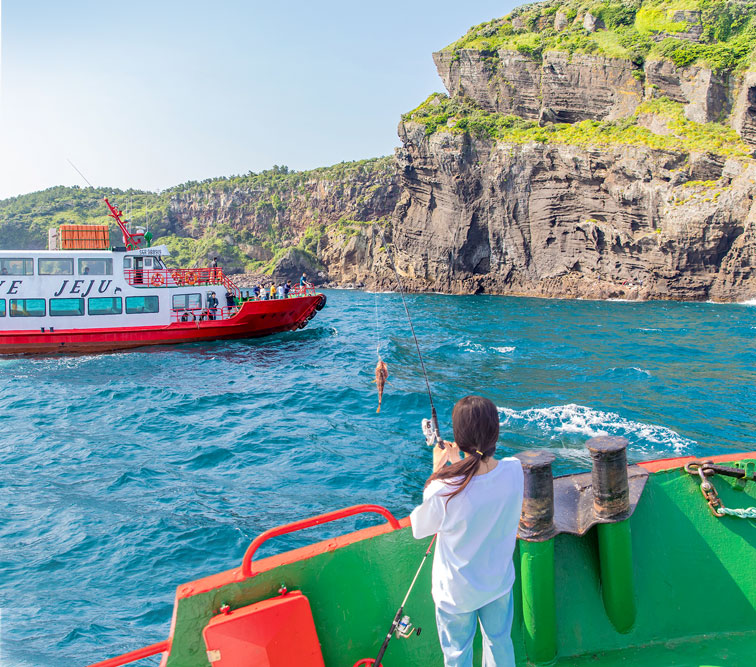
{"points": [[203, 314], [248, 292], [133, 656], [309, 523], [179, 278]]}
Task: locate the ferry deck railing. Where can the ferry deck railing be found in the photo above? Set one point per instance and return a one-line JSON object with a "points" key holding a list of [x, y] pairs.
{"points": [[181, 277], [205, 314]]}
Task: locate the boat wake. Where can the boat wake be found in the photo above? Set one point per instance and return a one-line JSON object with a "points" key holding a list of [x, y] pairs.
{"points": [[565, 420]]}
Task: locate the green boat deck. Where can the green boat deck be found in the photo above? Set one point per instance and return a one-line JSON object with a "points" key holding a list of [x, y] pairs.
{"points": [[694, 590]]}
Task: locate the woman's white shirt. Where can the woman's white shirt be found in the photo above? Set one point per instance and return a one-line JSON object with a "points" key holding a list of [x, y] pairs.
{"points": [[477, 531]]}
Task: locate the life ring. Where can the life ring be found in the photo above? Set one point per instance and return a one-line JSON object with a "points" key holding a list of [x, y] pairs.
{"points": [[177, 278], [191, 278], [157, 280]]}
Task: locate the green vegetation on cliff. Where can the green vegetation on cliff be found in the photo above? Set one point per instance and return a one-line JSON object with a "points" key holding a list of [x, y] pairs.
{"points": [[439, 113], [248, 221], [633, 29]]}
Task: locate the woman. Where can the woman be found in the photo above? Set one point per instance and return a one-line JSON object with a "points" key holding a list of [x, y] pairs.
{"points": [[474, 506]]}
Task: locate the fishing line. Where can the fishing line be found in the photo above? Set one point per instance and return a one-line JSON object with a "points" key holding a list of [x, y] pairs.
{"points": [[377, 336], [434, 417]]}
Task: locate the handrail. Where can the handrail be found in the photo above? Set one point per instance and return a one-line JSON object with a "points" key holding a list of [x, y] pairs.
{"points": [[309, 523], [180, 277], [203, 314], [133, 656]]}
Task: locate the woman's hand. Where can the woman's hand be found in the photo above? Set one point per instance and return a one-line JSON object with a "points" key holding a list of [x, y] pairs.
{"points": [[449, 454], [453, 450]]}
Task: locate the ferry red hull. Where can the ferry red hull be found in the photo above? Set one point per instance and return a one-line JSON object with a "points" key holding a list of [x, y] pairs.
{"points": [[254, 319]]}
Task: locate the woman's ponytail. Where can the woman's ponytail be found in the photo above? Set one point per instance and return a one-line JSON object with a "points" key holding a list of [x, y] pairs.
{"points": [[476, 430]]}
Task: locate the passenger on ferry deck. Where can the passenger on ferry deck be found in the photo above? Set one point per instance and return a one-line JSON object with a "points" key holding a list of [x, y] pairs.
{"points": [[280, 291], [473, 505], [256, 291], [212, 305], [287, 288], [230, 300], [272, 290], [303, 281]]}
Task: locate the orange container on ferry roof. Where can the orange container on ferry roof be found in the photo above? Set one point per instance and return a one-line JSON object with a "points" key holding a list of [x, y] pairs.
{"points": [[84, 237]]}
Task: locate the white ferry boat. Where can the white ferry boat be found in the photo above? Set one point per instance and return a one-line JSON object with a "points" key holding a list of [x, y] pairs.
{"points": [[75, 300]]}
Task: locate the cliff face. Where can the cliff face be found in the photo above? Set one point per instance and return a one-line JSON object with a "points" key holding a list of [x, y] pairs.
{"points": [[289, 208], [559, 88], [562, 173], [567, 221]]}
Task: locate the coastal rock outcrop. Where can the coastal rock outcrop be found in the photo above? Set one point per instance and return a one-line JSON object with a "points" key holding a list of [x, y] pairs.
{"points": [[557, 220], [559, 88]]}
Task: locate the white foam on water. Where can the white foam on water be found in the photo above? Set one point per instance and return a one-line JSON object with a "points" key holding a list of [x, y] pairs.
{"points": [[581, 420], [642, 371], [477, 348], [469, 346], [644, 329], [750, 302]]}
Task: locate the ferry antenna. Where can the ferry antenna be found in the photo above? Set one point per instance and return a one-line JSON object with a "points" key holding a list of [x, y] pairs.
{"points": [[79, 172]]}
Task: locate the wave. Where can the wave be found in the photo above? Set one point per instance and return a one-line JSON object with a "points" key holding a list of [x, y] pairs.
{"points": [[630, 371], [575, 419], [749, 302], [477, 348]]}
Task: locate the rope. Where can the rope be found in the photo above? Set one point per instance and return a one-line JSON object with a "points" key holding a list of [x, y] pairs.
{"points": [[744, 513]]}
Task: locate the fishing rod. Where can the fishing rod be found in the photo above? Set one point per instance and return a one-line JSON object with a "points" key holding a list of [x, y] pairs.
{"points": [[401, 625], [430, 427]]}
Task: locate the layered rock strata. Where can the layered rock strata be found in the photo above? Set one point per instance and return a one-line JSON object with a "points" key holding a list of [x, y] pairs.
{"points": [[563, 221]]}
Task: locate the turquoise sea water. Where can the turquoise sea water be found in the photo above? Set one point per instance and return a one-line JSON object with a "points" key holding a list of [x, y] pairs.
{"points": [[124, 475]]}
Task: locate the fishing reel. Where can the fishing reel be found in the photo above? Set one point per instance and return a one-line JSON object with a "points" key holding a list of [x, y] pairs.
{"points": [[430, 431], [405, 628]]}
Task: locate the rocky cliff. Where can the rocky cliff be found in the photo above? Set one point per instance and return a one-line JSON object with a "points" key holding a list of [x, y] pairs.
{"points": [[579, 154]]}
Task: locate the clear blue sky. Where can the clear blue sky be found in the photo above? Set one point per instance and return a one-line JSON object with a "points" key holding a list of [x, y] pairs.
{"points": [[151, 94]]}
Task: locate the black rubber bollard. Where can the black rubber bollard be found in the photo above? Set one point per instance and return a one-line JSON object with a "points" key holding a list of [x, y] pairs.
{"points": [[611, 491], [537, 556], [611, 500]]}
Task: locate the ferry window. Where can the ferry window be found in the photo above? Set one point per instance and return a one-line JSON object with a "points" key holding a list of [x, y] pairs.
{"points": [[105, 306], [127, 262], [95, 267], [187, 301], [27, 308], [141, 304], [67, 307], [16, 267], [55, 267], [2, 307]]}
